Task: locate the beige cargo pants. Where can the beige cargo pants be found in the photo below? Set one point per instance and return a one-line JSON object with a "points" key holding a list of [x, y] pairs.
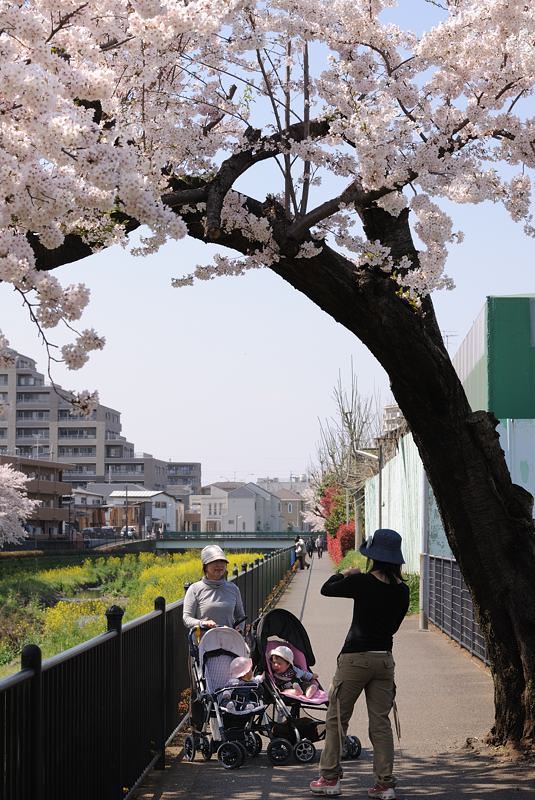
{"points": [[373, 673]]}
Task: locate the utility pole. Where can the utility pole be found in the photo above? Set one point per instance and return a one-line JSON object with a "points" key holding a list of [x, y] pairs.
{"points": [[380, 490], [126, 511]]}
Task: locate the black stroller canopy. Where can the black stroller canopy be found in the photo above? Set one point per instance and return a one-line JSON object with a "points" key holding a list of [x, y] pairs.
{"points": [[284, 625]]}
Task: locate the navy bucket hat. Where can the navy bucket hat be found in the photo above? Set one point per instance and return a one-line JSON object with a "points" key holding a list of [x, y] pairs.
{"points": [[383, 545]]}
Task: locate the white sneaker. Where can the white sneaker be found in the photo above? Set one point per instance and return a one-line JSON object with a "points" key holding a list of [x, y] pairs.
{"points": [[382, 791]]}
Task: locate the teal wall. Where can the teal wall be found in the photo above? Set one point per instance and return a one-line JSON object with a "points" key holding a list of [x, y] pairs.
{"points": [[511, 357]]}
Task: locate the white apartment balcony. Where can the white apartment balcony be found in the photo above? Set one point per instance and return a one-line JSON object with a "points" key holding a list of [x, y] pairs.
{"points": [[74, 434], [34, 401]]}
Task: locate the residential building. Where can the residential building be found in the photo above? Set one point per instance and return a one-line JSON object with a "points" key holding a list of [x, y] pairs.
{"points": [[392, 418], [292, 508], [147, 511], [181, 494], [37, 420], [295, 483], [88, 510], [46, 484], [237, 507], [141, 469], [185, 473]]}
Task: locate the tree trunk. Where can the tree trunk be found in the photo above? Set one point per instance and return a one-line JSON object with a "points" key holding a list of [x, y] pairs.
{"points": [[488, 519]]}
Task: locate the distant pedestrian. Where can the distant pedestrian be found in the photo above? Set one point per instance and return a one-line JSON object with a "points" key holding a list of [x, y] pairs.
{"points": [[300, 553], [380, 602], [319, 546], [310, 546]]}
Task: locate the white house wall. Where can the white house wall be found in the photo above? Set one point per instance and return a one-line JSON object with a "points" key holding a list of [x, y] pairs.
{"points": [[402, 479], [241, 509]]}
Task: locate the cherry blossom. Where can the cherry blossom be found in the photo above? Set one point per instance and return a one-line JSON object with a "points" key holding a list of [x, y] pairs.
{"points": [[116, 115], [15, 505]]}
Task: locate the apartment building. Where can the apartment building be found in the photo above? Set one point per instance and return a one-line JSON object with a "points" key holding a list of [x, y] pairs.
{"points": [[183, 473], [46, 485], [38, 422]]}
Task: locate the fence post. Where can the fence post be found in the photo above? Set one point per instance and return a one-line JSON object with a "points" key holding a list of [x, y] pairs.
{"points": [[159, 605], [114, 615], [258, 592], [31, 659]]}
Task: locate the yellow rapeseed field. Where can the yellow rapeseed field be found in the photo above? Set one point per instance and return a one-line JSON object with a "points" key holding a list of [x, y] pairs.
{"points": [[132, 581]]}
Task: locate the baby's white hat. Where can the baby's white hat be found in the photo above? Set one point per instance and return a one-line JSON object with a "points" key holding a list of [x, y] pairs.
{"points": [[284, 652]]}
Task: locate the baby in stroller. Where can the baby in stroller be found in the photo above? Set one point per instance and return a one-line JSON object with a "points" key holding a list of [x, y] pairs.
{"points": [[291, 680], [229, 710], [290, 676], [281, 646], [243, 697]]}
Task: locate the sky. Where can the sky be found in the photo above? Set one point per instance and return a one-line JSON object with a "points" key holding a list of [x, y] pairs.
{"points": [[236, 373]]}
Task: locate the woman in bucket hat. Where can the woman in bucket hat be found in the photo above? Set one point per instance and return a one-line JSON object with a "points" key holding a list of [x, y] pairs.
{"points": [[213, 601], [380, 602]]}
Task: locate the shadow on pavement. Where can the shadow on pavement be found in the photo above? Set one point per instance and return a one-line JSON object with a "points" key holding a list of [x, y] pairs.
{"points": [[447, 776]]}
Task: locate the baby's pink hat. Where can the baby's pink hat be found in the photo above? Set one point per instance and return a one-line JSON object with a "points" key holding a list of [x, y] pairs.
{"points": [[240, 666]]}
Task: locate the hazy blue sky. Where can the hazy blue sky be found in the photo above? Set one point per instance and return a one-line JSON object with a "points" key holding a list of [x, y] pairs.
{"points": [[236, 372]]}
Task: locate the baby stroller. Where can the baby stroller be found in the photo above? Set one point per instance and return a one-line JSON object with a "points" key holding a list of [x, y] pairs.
{"points": [[233, 732], [295, 721]]}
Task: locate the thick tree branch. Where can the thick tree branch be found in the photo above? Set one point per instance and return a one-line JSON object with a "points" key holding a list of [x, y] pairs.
{"points": [[239, 163]]}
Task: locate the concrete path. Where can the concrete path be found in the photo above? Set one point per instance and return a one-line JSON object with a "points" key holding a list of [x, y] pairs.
{"points": [[444, 698]]}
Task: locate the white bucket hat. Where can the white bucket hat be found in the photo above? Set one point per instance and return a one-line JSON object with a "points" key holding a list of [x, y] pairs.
{"points": [[283, 652], [212, 552], [240, 666]]}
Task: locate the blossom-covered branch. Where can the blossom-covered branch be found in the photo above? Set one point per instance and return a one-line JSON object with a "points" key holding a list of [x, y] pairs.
{"points": [[15, 505]]}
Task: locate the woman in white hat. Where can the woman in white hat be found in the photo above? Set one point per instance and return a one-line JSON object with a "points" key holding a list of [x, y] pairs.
{"points": [[213, 601]]}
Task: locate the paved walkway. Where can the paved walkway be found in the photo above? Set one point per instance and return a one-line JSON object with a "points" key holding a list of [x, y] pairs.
{"points": [[444, 698]]}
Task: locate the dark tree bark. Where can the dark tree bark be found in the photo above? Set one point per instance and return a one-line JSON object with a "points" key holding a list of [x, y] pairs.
{"points": [[488, 519]]}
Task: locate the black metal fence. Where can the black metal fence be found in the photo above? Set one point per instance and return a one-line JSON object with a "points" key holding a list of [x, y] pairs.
{"points": [[451, 608], [89, 722]]}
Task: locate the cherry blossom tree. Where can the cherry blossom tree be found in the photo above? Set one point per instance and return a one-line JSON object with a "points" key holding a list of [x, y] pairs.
{"points": [[159, 113], [15, 505]]}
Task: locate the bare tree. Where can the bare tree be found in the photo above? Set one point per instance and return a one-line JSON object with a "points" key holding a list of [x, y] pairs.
{"points": [[345, 437]]}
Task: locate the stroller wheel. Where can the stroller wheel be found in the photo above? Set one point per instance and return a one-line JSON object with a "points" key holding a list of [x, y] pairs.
{"points": [[189, 748], [304, 751], [279, 751], [230, 755], [352, 747], [253, 743], [206, 748]]}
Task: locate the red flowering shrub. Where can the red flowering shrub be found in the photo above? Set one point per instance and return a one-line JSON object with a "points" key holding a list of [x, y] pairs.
{"points": [[346, 537], [333, 546], [328, 499], [343, 541]]}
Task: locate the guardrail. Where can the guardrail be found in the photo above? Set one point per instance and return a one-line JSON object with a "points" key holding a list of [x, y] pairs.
{"points": [[451, 608], [214, 537], [91, 721]]}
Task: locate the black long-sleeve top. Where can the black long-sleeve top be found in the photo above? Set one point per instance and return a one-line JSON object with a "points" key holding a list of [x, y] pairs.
{"points": [[378, 609]]}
